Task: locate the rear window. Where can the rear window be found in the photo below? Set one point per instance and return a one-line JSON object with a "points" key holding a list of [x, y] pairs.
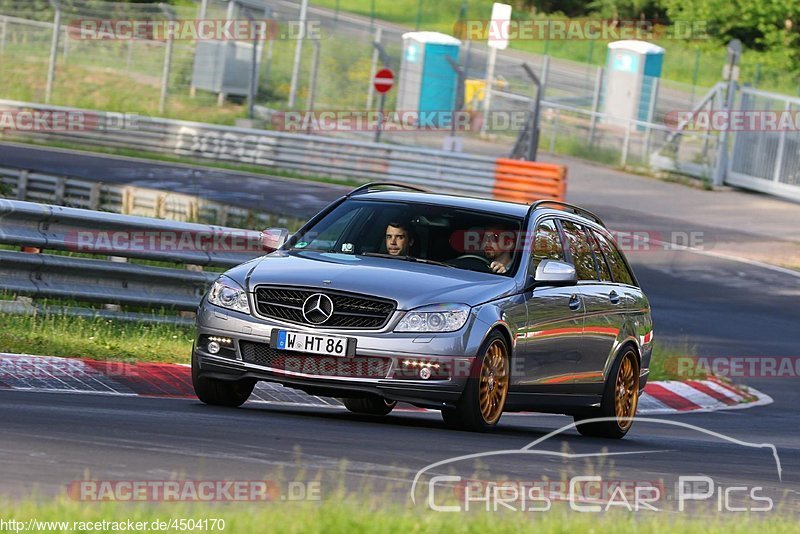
{"points": [[582, 256]]}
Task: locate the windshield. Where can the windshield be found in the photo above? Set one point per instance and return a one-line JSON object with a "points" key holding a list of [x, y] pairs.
{"points": [[452, 237]]}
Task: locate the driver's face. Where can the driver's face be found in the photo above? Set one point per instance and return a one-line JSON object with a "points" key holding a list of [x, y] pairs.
{"points": [[397, 241], [491, 244]]}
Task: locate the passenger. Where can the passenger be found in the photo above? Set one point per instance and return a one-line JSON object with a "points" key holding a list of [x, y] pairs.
{"points": [[399, 238], [497, 246]]}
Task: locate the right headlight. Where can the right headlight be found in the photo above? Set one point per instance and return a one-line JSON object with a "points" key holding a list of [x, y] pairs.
{"points": [[227, 294], [438, 318]]}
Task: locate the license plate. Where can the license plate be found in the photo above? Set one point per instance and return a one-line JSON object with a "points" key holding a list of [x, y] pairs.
{"points": [[312, 343]]}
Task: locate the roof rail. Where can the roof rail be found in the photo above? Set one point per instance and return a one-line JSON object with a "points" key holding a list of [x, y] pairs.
{"points": [[568, 207], [366, 187]]}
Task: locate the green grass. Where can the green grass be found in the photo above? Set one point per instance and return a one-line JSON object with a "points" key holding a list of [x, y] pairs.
{"points": [[348, 515], [95, 338], [670, 362]]}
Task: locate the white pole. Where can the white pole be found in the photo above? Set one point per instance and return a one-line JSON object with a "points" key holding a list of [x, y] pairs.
{"points": [[298, 53], [487, 98]]}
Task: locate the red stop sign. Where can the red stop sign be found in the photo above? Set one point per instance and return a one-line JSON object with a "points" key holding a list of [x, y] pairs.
{"points": [[383, 80]]}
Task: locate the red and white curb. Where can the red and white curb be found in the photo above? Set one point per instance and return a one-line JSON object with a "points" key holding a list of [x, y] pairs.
{"points": [[22, 372]]}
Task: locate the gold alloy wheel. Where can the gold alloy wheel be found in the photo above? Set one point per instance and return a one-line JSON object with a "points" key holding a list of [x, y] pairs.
{"points": [[626, 391], [493, 384]]}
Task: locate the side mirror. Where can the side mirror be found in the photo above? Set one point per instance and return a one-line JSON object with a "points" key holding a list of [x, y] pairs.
{"points": [[555, 273], [273, 238]]}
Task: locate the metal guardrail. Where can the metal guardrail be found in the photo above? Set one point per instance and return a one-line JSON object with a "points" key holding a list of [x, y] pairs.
{"points": [[23, 184], [305, 154], [115, 238]]}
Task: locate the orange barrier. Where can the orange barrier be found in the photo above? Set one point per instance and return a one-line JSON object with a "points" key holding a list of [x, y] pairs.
{"points": [[527, 181]]}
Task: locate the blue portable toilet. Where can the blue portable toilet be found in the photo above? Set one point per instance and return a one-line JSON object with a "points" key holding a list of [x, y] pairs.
{"points": [[631, 70], [427, 82]]}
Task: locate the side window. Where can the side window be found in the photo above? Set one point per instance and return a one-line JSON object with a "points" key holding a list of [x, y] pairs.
{"points": [[619, 269], [547, 243], [582, 255], [600, 261]]}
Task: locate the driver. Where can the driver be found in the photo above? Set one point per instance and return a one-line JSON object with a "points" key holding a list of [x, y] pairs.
{"points": [[399, 238], [497, 249]]}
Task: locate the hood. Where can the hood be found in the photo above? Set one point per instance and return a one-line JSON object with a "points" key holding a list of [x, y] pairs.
{"points": [[409, 284]]}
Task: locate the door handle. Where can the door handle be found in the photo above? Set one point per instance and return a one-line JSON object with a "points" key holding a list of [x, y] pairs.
{"points": [[614, 297], [574, 302]]}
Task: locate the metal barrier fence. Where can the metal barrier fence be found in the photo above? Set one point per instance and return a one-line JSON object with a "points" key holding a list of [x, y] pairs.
{"points": [[767, 161], [92, 235], [305, 154], [24, 184]]}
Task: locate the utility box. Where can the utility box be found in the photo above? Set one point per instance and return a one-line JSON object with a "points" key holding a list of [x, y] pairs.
{"points": [[224, 66], [632, 69], [427, 81]]}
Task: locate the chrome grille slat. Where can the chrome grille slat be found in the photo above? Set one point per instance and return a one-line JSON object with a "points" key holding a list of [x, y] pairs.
{"points": [[357, 312]]}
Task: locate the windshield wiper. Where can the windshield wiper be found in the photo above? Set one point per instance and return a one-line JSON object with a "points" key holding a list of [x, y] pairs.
{"points": [[406, 258]]}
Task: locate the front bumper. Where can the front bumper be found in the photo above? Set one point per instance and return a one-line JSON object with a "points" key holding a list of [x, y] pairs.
{"points": [[452, 351]]}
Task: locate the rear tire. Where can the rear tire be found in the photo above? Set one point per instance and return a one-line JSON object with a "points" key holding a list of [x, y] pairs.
{"points": [[216, 392], [620, 400], [484, 397], [370, 405]]}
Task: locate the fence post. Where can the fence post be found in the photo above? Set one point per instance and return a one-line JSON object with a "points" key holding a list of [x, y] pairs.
{"points": [[487, 97], [298, 54], [651, 111], [598, 86], [374, 67], [51, 69], [3, 30], [553, 130], [626, 145], [776, 175], [312, 84], [66, 43], [545, 74], [162, 100]]}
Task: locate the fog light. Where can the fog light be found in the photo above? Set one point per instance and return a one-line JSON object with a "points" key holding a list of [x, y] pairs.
{"points": [[425, 373], [213, 347]]}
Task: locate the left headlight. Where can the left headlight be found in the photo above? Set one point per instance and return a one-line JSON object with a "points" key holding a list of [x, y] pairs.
{"points": [[227, 294], [439, 318]]}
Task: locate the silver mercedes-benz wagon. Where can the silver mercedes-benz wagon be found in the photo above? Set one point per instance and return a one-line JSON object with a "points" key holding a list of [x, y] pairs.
{"points": [[470, 306]]}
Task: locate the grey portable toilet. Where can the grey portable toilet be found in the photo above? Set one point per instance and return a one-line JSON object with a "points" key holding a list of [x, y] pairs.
{"points": [[427, 81], [631, 70]]}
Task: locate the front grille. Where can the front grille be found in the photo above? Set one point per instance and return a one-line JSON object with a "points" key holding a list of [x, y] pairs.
{"points": [[349, 310], [358, 367]]}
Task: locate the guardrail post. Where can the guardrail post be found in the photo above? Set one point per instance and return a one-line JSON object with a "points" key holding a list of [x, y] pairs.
{"points": [[94, 196], [60, 189], [373, 67], [598, 87], [545, 73], [51, 69], [22, 185]]}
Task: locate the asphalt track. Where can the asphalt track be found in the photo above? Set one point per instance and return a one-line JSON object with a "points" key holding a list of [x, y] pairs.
{"points": [[721, 307]]}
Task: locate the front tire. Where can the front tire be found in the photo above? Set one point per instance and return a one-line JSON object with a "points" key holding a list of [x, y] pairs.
{"points": [[370, 405], [230, 393], [484, 398], [619, 403]]}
